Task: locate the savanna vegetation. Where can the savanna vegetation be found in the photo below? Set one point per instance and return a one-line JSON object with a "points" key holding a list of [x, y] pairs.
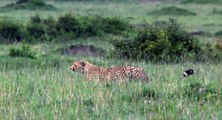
{"points": [[40, 39]]}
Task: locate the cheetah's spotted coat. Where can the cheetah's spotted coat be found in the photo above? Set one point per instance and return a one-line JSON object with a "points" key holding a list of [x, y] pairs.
{"points": [[92, 72]]}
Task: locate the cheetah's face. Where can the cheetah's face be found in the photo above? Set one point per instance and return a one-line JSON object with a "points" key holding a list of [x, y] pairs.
{"points": [[78, 66]]}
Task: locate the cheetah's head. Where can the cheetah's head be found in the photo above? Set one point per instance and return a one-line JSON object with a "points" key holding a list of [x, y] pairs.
{"points": [[78, 66]]}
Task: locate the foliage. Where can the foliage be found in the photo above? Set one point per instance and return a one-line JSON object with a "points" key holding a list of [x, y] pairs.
{"points": [[101, 0], [217, 11], [69, 26], [29, 5], [173, 10], [10, 31], [85, 26], [114, 25], [162, 40], [36, 2], [210, 52], [218, 33], [36, 30], [22, 51], [202, 1]]}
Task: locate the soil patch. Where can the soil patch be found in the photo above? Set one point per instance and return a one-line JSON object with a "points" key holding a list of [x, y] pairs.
{"points": [[88, 50]]}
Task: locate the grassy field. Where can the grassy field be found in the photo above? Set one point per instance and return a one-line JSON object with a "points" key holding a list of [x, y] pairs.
{"points": [[46, 89]]}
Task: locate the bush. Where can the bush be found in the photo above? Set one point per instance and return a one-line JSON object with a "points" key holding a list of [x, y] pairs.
{"points": [[210, 52], [218, 33], [36, 31], [75, 26], [217, 11], [103, 25], [35, 19], [10, 32], [29, 4], [23, 51], [38, 2], [173, 10], [42, 27], [68, 24], [202, 1], [133, 1], [114, 25], [162, 40]]}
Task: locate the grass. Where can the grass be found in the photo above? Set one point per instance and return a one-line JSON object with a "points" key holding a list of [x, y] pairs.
{"points": [[57, 93], [44, 88]]}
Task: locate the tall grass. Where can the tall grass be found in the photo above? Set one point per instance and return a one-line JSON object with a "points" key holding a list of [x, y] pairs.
{"points": [[57, 93], [46, 89]]}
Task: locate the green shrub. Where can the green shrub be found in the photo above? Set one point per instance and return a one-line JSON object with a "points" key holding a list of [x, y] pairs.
{"points": [[210, 52], [10, 32], [68, 23], [75, 26], [29, 4], [50, 26], [162, 40], [114, 25], [66, 27], [202, 1], [22, 51], [218, 33], [103, 25], [173, 10], [22, 1], [217, 11], [36, 30], [35, 19], [131, 1], [37, 2]]}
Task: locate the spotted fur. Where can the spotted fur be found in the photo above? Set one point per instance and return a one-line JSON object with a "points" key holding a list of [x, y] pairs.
{"points": [[93, 72]]}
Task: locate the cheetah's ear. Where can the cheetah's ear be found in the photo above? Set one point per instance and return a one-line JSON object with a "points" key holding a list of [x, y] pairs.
{"points": [[83, 63]]}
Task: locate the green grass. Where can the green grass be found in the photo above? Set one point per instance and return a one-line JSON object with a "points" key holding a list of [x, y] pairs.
{"points": [[55, 92], [44, 88]]}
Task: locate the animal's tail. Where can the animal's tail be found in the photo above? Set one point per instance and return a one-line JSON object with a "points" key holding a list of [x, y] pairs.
{"points": [[146, 78]]}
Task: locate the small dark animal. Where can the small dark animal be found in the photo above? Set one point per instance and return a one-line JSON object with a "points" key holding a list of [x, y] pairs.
{"points": [[188, 73]]}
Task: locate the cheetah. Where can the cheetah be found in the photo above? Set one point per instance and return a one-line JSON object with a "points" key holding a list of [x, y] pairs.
{"points": [[93, 72]]}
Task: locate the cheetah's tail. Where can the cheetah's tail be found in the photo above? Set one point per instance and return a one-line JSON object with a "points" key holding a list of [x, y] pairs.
{"points": [[146, 78]]}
